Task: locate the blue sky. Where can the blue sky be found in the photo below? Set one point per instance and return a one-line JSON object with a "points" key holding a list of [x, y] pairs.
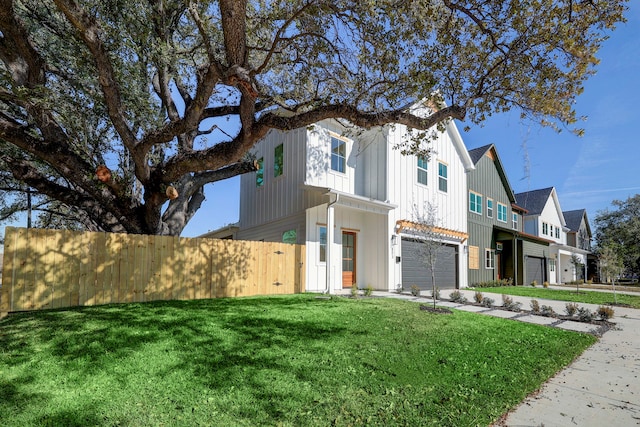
{"points": [[588, 172]]}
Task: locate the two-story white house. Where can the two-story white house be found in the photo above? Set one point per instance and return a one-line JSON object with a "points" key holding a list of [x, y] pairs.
{"points": [[350, 196], [545, 219]]}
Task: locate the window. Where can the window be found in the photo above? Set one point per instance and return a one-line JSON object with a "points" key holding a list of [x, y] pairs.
{"points": [[260, 173], [489, 255], [551, 230], [322, 233], [545, 228], [489, 208], [289, 236], [338, 154], [278, 162], [422, 170], [502, 212], [442, 177], [514, 220], [474, 262], [557, 233], [552, 265], [475, 203]]}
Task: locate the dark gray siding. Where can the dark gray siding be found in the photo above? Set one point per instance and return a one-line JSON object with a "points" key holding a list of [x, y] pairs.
{"points": [[480, 235], [535, 249], [485, 180], [415, 272]]}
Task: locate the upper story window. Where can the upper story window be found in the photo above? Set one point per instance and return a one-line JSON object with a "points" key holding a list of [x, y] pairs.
{"points": [[545, 228], [442, 177], [514, 220], [489, 208], [278, 163], [260, 173], [422, 170], [338, 154], [502, 212], [551, 230], [557, 232], [475, 202]]}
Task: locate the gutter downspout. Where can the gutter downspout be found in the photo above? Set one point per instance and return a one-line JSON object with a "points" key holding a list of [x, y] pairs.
{"points": [[330, 239]]}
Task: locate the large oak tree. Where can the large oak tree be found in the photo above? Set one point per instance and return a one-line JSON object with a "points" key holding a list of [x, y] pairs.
{"points": [[170, 95]]}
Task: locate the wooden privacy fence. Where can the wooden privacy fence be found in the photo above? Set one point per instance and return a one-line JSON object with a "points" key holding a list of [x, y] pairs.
{"points": [[54, 268]]}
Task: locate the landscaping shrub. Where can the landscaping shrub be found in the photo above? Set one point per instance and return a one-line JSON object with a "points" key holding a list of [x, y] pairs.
{"points": [[477, 297], [435, 293], [571, 308], [585, 315], [534, 283], [354, 291], [535, 306], [547, 311], [509, 304], [545, 284], [415, 290], [368, 291], [605, 312], [494, 283], [487, 302], [456, 296]]}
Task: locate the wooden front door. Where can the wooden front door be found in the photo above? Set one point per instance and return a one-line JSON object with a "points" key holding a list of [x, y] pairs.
{"points": [[348, 259]]}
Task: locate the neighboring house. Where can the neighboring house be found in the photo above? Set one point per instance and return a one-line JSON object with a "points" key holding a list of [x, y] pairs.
{"points": [[498, 248], [579, 231], [579, 236], [350, 196], [546, 220]]}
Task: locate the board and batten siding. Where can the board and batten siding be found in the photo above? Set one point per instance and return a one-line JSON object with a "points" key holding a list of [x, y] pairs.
{"points": [[279, 196], [485, 181], [318, 159], [481, 236], [406, 192], [552, 216], [272, 231], [370, 152]]}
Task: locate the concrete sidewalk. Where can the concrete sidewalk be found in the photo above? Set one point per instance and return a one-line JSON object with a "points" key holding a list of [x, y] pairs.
{"points": [[601, 387]]}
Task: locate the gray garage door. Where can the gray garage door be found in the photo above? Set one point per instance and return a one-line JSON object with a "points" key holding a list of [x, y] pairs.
{"points": [[415, 272], [535, 270]]}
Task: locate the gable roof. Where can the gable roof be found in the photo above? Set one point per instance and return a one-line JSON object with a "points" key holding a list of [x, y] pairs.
{"points": [[574, 219], [534, 201], [478, 153]]}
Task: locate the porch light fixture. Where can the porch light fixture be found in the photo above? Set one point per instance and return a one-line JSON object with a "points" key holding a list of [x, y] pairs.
{"points": [[394, 240]]}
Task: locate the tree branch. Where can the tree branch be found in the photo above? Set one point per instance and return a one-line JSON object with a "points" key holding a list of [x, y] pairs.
{"points": [[107, 218], [89, 31], [358, 118]]}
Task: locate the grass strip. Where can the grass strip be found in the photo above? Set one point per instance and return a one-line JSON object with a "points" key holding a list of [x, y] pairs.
{"points": [[289, 360], [583, 296]]}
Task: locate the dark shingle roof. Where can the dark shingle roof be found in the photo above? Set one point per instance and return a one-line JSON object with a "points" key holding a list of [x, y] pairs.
{"points": [[477, 153], [574, 218], [534, 201]]}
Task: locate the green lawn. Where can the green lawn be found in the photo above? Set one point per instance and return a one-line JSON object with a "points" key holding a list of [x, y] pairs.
{"points": [[583, 296], [290, 361]]}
